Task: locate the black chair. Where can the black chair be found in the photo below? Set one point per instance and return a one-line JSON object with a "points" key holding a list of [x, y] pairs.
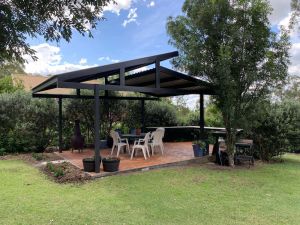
{"points": [[244, 152]]}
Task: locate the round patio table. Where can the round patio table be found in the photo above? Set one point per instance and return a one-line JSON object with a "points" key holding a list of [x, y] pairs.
{"points": [[132, 137]]}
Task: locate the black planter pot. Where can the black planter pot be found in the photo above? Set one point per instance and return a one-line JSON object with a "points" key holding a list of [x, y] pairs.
{"points": [[89, 164], [111, 164]]}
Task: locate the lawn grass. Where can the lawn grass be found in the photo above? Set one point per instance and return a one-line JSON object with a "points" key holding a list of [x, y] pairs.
{"points": [[268, 194]]}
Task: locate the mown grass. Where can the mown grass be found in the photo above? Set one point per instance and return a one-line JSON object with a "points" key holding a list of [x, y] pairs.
{"points": [[268, 194]]}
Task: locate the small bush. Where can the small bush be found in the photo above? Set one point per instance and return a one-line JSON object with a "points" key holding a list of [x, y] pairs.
{"points": [[57, 171], [38, 156], [2, 151]]}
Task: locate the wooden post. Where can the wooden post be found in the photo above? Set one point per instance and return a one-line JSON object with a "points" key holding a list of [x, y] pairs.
{"points": [[122, 76], [60, 144], [157, 77], [201, 122], [97, 129], [143, 115]]}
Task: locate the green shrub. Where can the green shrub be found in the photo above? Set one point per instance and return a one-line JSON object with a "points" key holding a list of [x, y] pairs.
{"points": [[50, 166], [2, 151], [27, 124], [38, 156], [57, 171], [271, 125], [160, 113]]}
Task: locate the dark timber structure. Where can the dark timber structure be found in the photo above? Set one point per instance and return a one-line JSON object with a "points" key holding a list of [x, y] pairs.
{"points": [[153, 83]]}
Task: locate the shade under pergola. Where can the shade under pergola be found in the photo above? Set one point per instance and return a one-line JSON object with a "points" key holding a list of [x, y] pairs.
{"points": [[152, 83]]}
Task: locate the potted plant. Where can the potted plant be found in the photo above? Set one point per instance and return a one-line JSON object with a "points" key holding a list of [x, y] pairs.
{"points": [[89, 164], [199, 148], [111, 164]]}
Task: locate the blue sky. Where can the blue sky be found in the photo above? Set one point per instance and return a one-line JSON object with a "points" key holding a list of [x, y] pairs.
{"points": [[114, 40], [132, 29]]}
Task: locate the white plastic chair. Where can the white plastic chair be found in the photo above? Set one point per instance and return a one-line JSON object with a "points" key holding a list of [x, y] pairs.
{"points": [[118, 142], [142, 144], [162, 129], [156, 141]]}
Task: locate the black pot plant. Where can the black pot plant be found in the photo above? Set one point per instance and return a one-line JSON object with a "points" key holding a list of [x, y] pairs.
{"points": [[111, 164], [199, 148], [89, 164]]}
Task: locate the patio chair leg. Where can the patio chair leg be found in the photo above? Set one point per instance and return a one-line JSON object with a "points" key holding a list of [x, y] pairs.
{"points": [[119, 148], [112, 149], [144, 152], [128, 149], [132, 153], [148, 152], [162, 148]]}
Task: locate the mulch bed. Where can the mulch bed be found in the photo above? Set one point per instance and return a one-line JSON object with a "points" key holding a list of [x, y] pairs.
{"points": [[71, 174], [28, 157]]}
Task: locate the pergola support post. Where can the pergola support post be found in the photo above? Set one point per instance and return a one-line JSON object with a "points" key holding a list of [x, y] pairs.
{"points": [[143, 114], [60, 144], [201, 122], [97, 129]]}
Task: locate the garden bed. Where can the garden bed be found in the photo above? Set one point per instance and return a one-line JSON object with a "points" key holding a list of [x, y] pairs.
{"points": [[32, 158], [65, 172]]}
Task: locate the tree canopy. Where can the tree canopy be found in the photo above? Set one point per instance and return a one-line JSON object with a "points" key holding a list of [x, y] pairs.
{"points": [[52, 19], [230, 44]]}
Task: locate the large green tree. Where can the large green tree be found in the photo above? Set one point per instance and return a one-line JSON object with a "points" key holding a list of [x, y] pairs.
{"points": [[52, 19], [230, 44]]}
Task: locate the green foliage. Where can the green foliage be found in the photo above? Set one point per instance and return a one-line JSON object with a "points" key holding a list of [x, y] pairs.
{"points": [[7, 85], [50, 166], [52, 19], [27, 124], [38, 156], [11, 68], [201, 143], [59, 172], [112, 112], [160, 113], [230, 44], [271, 126], [56, 170], [2, 151]]}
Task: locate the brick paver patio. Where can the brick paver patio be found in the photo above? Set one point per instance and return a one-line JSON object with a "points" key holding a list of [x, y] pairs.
{"points": [[174, 152]]}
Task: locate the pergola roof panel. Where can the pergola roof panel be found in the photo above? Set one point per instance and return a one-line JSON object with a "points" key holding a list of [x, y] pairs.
{"points": [[159, 81]]}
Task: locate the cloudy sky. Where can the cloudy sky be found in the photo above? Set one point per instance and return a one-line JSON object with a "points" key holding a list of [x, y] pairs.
{"points": [[132, 29]]}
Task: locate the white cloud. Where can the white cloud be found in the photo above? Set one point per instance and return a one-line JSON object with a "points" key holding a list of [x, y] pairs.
{"points": [[50, 61], [132, 15], [151, 4], [108, 59], [117, 6], [83, 61], [294, 68], [281, 9], [138, 70]]}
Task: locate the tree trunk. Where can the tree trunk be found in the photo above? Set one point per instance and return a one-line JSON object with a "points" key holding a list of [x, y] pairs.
{"points": [[230, 143]]}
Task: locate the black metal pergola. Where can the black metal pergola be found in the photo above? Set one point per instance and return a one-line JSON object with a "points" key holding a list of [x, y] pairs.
{"points": [[152, 83]]}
